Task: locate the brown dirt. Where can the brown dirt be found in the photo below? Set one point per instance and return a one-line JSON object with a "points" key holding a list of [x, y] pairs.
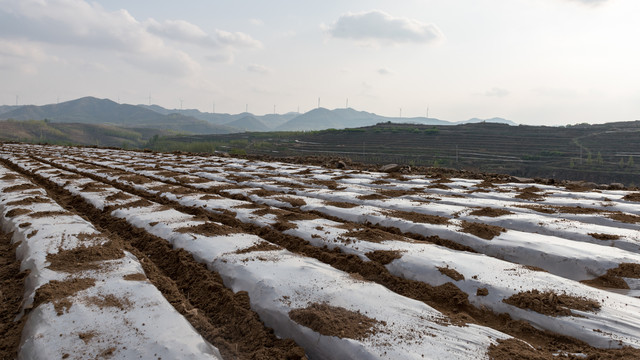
{"points": [[11, 293], [576, 210], [483, 231], [373, 235], [336, 321], [417, 217], [632, 197], [625, 218], [285, 218], [84, 258], [93, 187], [9, 177], [238, 178], [380, 182], [20, 187], [264, 193], [604, 237], [607, 281], [58, 292], [174, 189], [539, 208], [384, 257], [295, 202], [482, 292], [118, 196], [511, 349], [30, 200], [439, 186], [208, 229], [450, 272], [41, 214], [516, 349], [578, 187], [132, 204], [262, 246], [530, 193], [491, 212], [395, 193], [629, 270], [249, 206], [330, 184], [17, 212], [136, 178], [486, 184], [614, 277], [87, 336], [341, 204], [135, 277], [371, 197], [550, 303], [442, 180], [109, 300], [68, 176]]}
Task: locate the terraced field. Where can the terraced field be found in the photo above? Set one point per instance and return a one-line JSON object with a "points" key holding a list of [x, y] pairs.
{"points": [[151, 255]]}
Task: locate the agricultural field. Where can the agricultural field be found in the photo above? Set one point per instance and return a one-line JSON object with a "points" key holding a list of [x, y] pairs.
{"points": [[126, 254]]}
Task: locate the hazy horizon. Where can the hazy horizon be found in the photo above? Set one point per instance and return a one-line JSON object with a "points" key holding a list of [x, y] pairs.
{"points": [[537, 62]]}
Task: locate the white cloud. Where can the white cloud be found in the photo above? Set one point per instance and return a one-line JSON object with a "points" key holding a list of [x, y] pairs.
{"points": [[84, 25], [256, 22], [183, 31], [259, 69], [385, 71], [236, 39], [497, 92], [379, 26], [222, 57], [590, 2]]}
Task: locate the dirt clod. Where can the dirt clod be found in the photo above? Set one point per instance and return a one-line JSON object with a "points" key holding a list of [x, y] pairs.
{"points": [[336, 321], [450, 272], [550, 303], [384, 257], [483, 231], [58, 292], [604, 237], [491, 212]]}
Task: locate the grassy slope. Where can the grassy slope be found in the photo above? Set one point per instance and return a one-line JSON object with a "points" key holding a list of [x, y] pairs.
{"points": [[598, 153], [75, 134]]}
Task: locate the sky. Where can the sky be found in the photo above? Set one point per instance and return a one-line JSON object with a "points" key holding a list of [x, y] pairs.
{"points": [[538, 62]]}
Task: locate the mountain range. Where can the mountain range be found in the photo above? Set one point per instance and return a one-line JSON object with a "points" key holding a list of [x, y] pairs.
{"points": [[90, 110]]}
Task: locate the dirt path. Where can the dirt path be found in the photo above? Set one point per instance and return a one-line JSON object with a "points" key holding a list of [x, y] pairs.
{"points": [[11, 293]]}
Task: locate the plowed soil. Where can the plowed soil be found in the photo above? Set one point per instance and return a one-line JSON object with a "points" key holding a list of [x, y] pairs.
{"points": [[226, 319]]}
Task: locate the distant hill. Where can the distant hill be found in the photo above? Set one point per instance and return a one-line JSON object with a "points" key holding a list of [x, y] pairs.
{"points": [[248, 123], [7, 108], [270, 120], [90, 110], [495, 120], [39, 131], [316, 119], [321, 119]]}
